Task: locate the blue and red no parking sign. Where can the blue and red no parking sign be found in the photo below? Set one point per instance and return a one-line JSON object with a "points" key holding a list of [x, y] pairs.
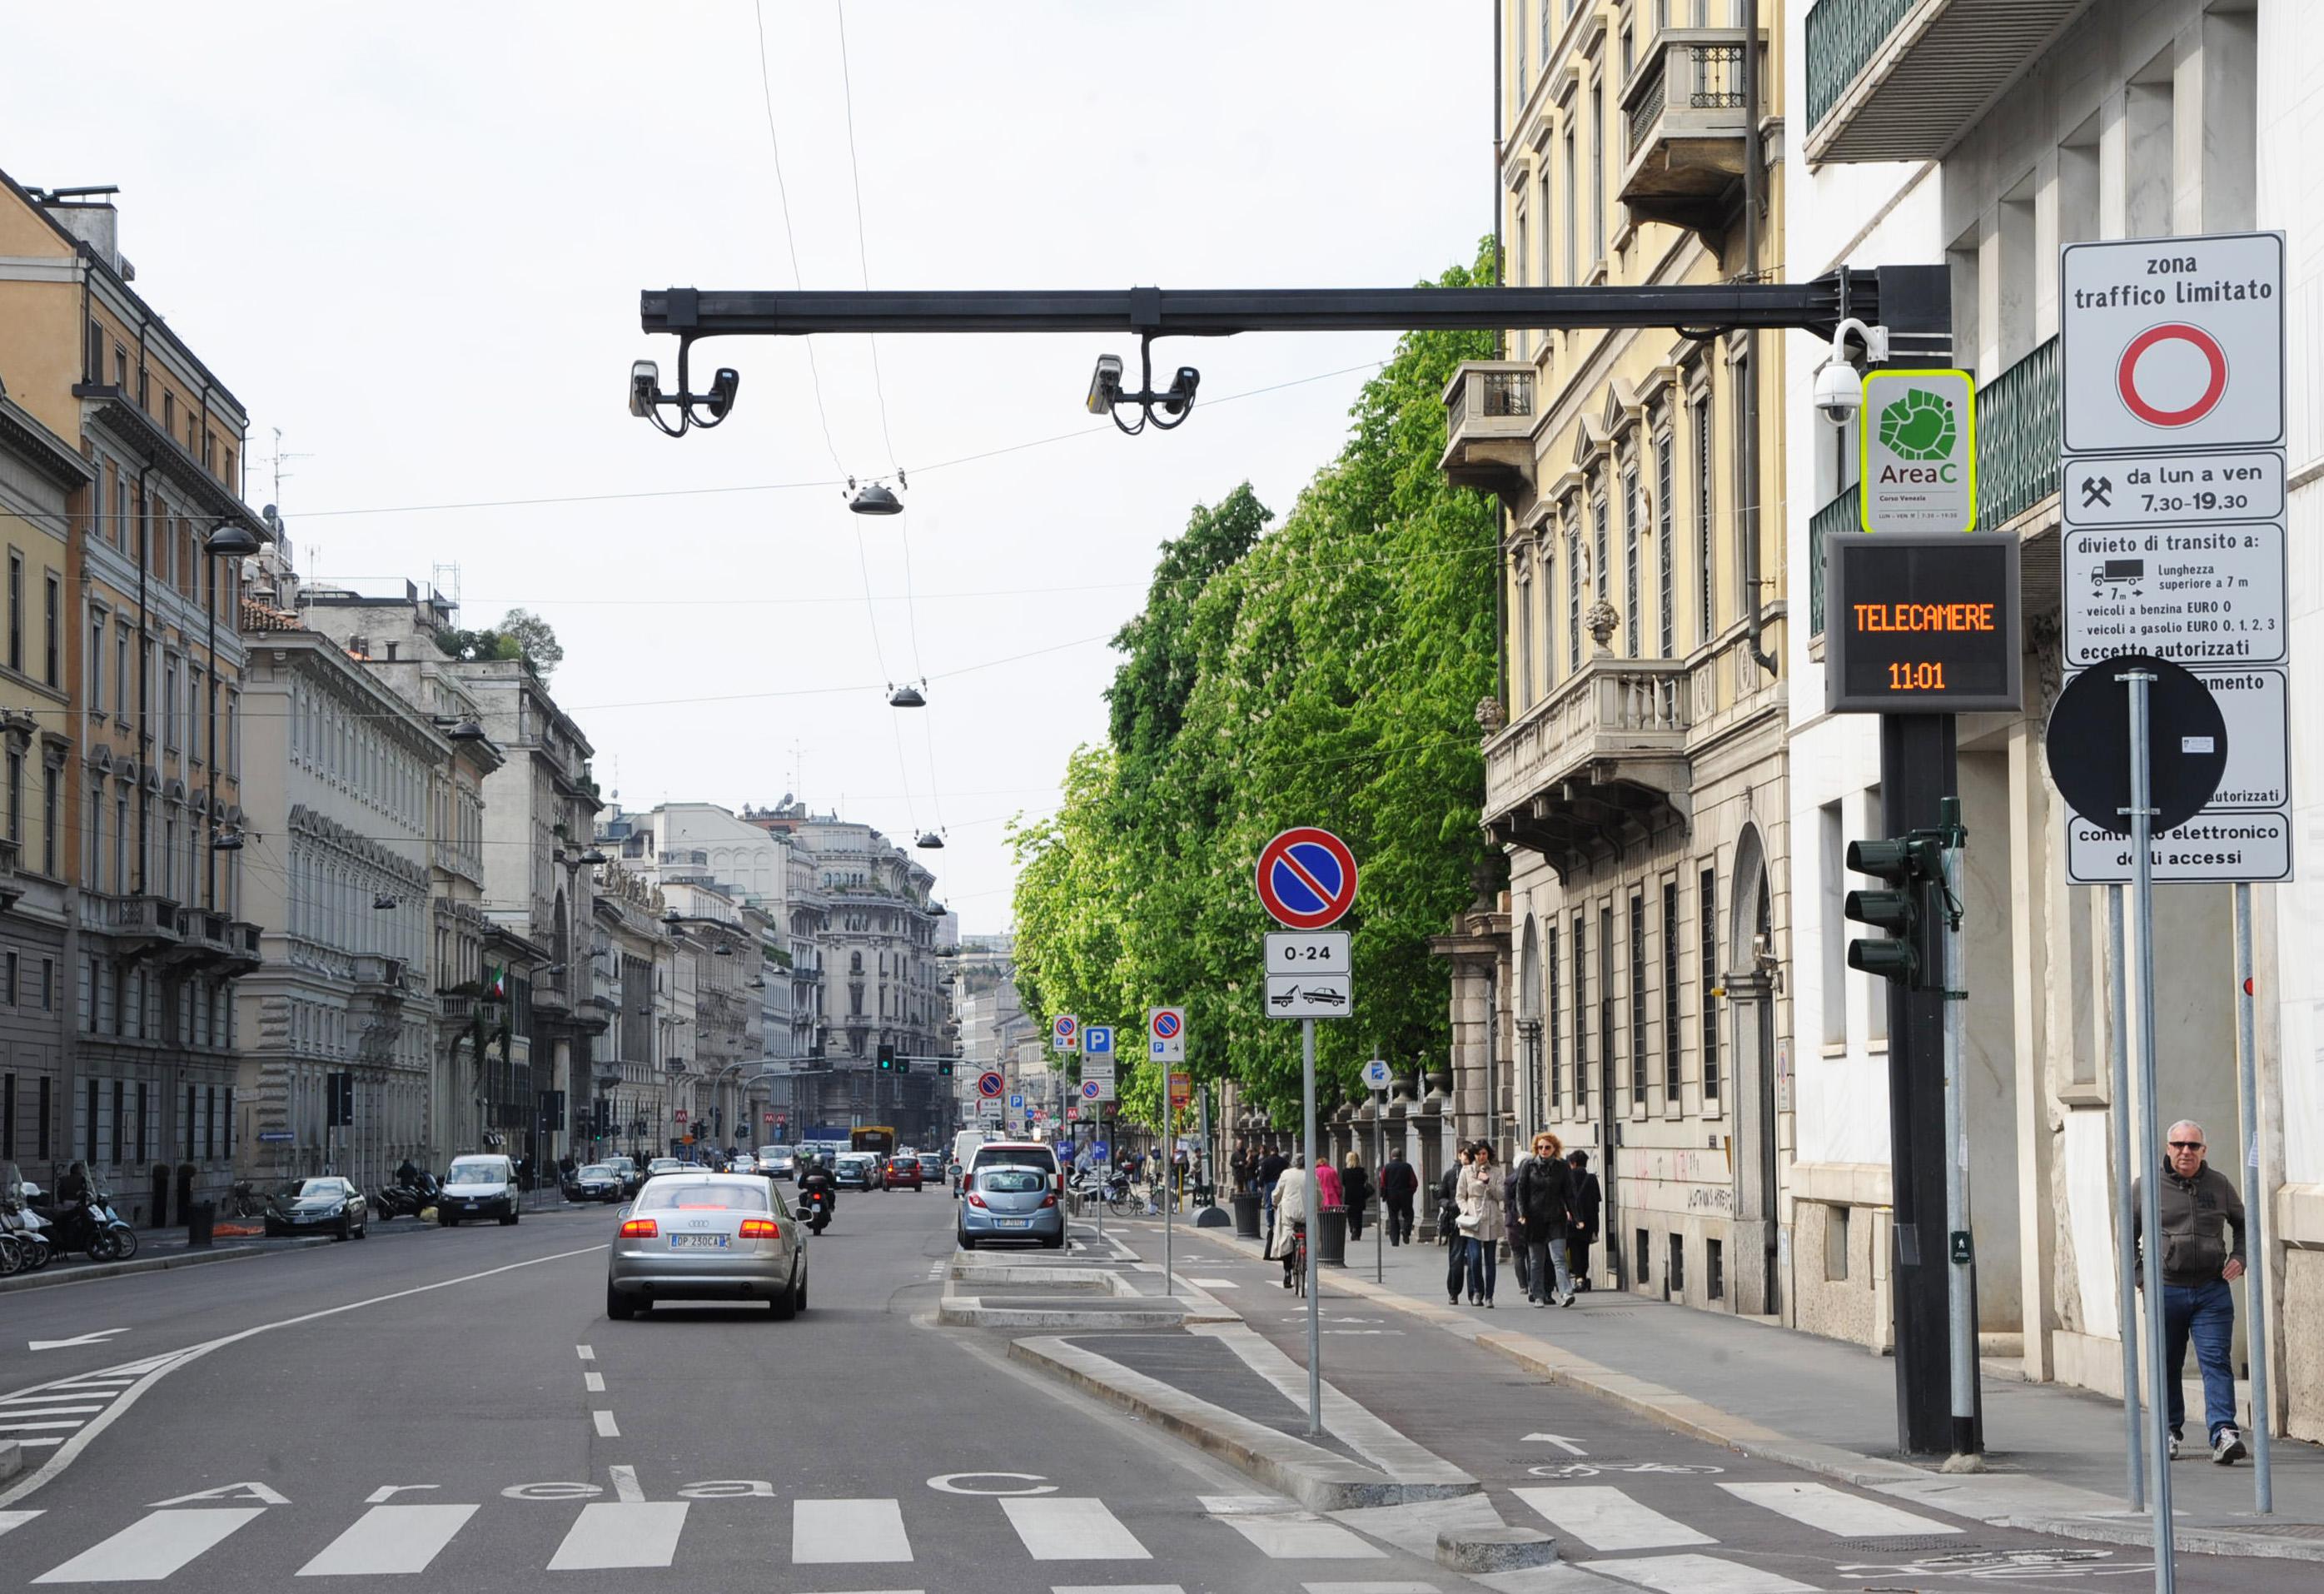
{"points": [[1306, 877]]}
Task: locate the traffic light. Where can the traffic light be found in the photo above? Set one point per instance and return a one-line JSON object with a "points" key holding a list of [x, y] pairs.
{"points": [[903, 1065], [340, 1100], [1909, 866], [601, 1119], [944, 1067], [887, 1058]]}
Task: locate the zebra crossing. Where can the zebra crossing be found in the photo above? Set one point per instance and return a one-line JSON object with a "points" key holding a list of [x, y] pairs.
{"points": [[40, 1419]]}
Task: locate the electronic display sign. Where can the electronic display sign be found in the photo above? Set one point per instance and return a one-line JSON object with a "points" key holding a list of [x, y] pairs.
{"points": [[1922, 623]]}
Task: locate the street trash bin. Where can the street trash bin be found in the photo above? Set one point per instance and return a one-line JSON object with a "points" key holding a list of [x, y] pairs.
{"points": [[1332, 1238], [1246, 1215], [200, 1218]]}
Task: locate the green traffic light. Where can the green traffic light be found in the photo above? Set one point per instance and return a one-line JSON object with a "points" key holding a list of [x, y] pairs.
{"points": [[1889, 959], [1892, 911]]}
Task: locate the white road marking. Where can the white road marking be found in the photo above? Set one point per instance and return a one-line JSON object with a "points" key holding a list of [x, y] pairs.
{"points": [[1245, 1504], [15, 1427], [1214, 1284], [99, 1337], [1696, 1574], [154, 1546], [15, 1519], [607, 1429], [587, 1353], [1066, 1527], [625, 1485], [1117, 1588], [608, 1537], [142, 1376], [1370, 1588], [1608, 1519], [38, 1444], [1842, 1515], [595, 1383], [1559, 1440], [1301, 1537], [100, 1384], [389, 1539], [49, 1411], [825, 1533], [58, 1393]]}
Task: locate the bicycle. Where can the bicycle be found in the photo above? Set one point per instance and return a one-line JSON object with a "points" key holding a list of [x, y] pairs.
{"points": [[1299, 1260]]}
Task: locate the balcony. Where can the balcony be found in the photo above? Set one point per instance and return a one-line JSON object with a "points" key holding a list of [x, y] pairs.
{"points": [[136, 924], [1903, 79], [1601, 761], [2016, 459], [10, 891], [1683, 161], [1489, 415], [379, 979], [205, 938]]}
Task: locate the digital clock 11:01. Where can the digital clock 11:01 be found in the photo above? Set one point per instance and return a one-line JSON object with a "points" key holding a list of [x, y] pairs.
{"points": [[1922, 623]]}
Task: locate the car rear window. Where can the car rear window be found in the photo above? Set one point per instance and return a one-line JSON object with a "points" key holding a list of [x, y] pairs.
{"points": [[1030, 1157], [1012, 1181], [662, 1197]]}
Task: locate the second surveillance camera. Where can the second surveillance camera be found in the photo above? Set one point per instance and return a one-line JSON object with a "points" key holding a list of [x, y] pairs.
{"points": [[645, 380], [1838, 392], [1105, 384]]}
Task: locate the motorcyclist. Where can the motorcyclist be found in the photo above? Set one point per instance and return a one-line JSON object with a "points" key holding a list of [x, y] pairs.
{"points": [[71, 1206], [815, 1181], [406, 1173]]}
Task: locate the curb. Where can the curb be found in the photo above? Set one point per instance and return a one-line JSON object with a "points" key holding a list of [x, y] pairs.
{"points": [[227, 1253], [1315, 1478], [969, 1311], [12, 1459], [1994, 1499]]}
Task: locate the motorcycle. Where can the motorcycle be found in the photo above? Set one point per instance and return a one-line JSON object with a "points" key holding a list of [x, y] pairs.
{"points": [[406, 1200], [94, 1227], [815, 1209], [25, 1244]]}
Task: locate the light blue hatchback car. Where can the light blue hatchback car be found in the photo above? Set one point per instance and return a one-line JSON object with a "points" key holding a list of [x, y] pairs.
{"points": [[1012, 1204]]}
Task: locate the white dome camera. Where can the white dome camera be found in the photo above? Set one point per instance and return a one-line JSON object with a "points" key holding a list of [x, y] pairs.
{"points": [[1839, 389]]}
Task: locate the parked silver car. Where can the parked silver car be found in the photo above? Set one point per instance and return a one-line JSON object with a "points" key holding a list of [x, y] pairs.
{"points": [[707, 1237], [1010, 1202]]}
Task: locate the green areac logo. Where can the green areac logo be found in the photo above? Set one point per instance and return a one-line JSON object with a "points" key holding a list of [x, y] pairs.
{"points": [[1919, 426]]}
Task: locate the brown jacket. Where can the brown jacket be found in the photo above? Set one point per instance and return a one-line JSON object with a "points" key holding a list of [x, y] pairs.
{"points": [[2191, 1210]]}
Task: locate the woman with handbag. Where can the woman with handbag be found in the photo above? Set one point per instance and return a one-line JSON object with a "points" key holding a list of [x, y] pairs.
{"points": [[1448, 1231], [1482, 1223]]}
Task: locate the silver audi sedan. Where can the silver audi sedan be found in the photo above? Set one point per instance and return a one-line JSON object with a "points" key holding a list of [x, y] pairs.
{"points": [[707, 1237]]}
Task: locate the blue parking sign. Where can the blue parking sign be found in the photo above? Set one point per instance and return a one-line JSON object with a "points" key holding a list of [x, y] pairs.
{"points": [[1097, 1040]]}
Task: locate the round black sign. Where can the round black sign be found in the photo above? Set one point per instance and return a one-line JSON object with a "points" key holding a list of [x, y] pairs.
{"points": [[2089, 743]]}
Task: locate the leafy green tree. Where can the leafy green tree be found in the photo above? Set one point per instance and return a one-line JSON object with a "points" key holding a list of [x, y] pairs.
{"points": [[535, 640], [1320, 671]]}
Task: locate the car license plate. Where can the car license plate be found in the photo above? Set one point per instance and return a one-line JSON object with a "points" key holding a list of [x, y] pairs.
{"points": [[472, 1206], [698, 1242], [1012, 1223]]}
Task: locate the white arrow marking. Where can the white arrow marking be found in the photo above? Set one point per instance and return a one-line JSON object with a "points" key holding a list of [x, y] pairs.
{"points": [[1559, 1440], [97, 1338]]}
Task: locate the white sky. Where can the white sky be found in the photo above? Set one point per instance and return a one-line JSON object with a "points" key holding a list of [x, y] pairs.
{"points": [[413, 237]]}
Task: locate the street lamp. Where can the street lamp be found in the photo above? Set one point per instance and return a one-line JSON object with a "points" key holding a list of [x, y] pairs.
{"points": [[228, 540], [873, 497]]}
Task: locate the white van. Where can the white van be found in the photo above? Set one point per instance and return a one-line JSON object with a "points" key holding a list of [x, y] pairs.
{"points": [[481, 1185], [964, 1146]]}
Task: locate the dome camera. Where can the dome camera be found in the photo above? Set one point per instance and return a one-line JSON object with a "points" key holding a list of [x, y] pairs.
{"points": [[1838, 392]]}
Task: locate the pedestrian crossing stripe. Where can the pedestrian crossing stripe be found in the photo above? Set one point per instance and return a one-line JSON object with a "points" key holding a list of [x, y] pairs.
{"points": [[1843, 1515]]}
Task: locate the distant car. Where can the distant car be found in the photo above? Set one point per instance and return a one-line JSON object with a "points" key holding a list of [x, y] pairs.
{"points": [[670, 1165], [596, 1181], [626, 1169], [700, 1236], [902, 1169], [858, 1169], [932, 1166], [481, 1185], [325, 1205], [1007, 1201], [778, 1162]]}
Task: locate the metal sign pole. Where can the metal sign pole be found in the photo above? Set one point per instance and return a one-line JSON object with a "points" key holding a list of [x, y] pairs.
{"points": [[1169, 1196], [1314, 1213], [2166, 1575], [1379, 1160], [2126, 1214], [2255, 1201], [1960, 1329]]}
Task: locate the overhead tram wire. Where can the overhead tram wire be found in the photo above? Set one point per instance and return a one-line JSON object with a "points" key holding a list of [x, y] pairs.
{"points": [[791, 237]]}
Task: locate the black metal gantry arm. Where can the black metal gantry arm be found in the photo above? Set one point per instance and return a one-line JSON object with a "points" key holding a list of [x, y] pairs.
{"points": [[1899, 297]]}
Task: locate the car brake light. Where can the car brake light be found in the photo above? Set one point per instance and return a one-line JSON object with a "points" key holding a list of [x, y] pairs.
{"points": [[975, 1200], [640, 1229], [761, 1229], [1048, 1200]]}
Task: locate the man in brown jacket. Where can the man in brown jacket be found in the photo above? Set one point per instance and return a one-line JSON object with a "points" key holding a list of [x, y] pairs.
{"points": [[2193, 1204]]}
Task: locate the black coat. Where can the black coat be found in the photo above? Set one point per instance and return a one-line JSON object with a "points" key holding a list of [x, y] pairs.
{"points": [[1585, 1200], [1543, 1197], [1355, 1188], [1398, 1182]]}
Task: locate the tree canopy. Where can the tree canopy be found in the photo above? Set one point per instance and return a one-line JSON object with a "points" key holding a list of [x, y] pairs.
{"points": [[1324, 671]]}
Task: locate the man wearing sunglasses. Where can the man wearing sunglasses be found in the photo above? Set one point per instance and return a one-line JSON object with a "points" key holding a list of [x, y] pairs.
{"points": [[2192, 1204]]}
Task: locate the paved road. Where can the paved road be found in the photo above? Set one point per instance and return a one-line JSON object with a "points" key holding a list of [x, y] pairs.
{"points": [[455, 1405]]}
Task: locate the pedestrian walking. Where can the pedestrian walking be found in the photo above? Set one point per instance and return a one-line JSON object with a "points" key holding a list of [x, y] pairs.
{"points": [[1448, 1227], [1518, 1258], [1270, 1174], [1328, 1195], [1398, 1184], [1582, 1230], [2193, 1203], [1239, 1167], [1356, 1188], [1483, 1221], [1544, 1213], [1287, 1200]]}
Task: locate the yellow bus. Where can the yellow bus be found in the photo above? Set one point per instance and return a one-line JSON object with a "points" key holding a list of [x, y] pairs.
{"points": [[878, 1139]]}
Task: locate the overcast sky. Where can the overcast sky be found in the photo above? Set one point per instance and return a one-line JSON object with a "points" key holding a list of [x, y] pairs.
{"points": [[412, 237]]}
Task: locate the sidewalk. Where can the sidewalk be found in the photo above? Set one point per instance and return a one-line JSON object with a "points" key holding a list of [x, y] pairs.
{"points": [[2054, 1453]]}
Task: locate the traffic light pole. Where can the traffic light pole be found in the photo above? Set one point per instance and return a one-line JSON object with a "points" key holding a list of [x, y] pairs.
{"points": [[1961, 1293]]}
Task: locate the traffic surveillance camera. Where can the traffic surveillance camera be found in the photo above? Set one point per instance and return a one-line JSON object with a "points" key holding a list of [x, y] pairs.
{"points": [[1105, 384], [721, 390], [1838, 392], [1181, 396], [645, 380]]}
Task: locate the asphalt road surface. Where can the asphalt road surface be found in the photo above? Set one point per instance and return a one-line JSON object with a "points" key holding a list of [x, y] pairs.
{"points": [[455, 1405]]}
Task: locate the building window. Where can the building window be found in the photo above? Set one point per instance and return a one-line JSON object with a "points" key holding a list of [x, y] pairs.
{"points": [[121, 843], [1674, 1276], [1745, 519], [170, 701], [1556, 1015], [1707, 911], [51, 796], [1645, 1256], [16, 799], [1665, 580], [96, 847], [97, 662], [1572, 225], [1597, 171], [1581, 1018], [121, 668], [15, 611], [1706, 617], [1638, 999], [1524, 583], [1714, 1270], [1600, 581], [95, 361], [1634, 516], [1572, 600], [1670, 1089]]}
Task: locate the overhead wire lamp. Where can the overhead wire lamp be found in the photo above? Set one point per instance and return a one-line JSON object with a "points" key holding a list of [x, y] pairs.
{"points": [[874, 498], [906, 696], [931, 840]]}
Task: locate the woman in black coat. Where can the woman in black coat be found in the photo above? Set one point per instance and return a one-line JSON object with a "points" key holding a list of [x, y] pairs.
{"points": [[1355, 1190], [1584, 1206]]}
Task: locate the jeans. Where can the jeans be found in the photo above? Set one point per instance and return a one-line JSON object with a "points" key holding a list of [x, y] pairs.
{"points": [[1541, 1256], [1456, 1266], [1484, 1259], [2207, 1312]]}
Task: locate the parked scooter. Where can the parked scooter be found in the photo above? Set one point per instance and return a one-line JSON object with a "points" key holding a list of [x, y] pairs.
{"points": [[93, 1226], [406, 1199], [25, 1244]]}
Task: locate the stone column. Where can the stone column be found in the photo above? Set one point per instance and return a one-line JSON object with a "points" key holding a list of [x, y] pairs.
{"points": [[1754, 1286]]}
